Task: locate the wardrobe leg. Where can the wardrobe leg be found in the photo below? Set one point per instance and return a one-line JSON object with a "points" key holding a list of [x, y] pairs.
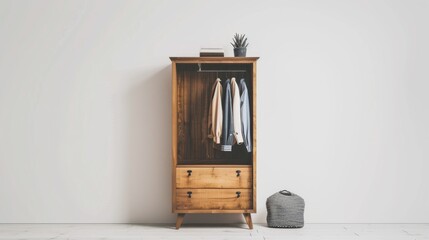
{"points": [[179, 220], [248, 219]]}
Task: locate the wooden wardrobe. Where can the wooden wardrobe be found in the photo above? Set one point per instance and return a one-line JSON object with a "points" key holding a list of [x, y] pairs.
{"points": [[207, 180]]}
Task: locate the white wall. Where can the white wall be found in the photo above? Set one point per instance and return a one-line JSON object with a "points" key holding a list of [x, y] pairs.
{"points": [[343, 106]]}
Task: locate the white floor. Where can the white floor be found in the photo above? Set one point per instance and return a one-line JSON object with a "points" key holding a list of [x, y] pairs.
{"points": [[135, 231]]}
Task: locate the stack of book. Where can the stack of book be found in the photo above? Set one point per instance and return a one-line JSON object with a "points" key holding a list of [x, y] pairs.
{"points": [[212, 52]]}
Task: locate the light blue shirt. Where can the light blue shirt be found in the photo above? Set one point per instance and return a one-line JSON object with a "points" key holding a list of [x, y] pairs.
{"points": [[245, 115]]}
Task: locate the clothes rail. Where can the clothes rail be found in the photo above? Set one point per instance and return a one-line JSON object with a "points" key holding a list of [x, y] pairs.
{"points": [[217, 71]]}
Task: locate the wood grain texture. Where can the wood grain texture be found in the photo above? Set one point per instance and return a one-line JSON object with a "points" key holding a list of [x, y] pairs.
{"points": [[174, 131], [254, 132], [214, 211], [214, 178], [213, 181], [214, 165], [193, 102], [179, 220], [232, 60], [215, 199], [248, 219]]}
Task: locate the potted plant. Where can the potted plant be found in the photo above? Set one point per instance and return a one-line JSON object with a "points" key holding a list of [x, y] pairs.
{"points": [[240, 45]]}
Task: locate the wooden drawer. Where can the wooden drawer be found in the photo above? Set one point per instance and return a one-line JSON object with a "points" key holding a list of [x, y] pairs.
{"points": [[213, 199], [214, 177]]}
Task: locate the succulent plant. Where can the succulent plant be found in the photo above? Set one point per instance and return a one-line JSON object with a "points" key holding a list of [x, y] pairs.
{"points": [[240, 41]]}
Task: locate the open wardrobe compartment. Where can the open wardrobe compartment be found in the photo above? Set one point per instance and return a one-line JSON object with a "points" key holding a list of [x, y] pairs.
{"points": [[214, 136]]}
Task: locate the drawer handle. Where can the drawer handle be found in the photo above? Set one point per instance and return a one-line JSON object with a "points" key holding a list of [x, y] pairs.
{"points": [[238, 173], [189, 173], [238, 194], [189, 194]]}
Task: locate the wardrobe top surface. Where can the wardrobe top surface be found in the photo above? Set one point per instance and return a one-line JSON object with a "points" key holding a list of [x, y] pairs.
{"points": [[214, 59]]}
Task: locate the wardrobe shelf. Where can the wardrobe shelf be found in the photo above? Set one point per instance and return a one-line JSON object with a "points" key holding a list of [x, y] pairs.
{"points": [[214, 166], [232, 60]]}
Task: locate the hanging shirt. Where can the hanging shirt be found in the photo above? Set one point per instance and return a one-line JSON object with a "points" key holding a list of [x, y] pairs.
{"points": [[227, 136], [245, 115], [215, 113], [235, 93]]}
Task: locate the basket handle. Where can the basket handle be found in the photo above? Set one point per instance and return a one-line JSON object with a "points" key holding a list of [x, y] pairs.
{"points": [[285, 192]]}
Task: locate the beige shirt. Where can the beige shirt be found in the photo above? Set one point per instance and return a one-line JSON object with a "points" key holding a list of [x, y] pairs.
{"points": [[235, 92], [215, 113]]}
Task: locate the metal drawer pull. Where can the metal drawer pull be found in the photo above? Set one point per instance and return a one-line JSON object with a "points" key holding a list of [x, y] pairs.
{"points": [[238, 194], [238, 173], [189, 194], [189, 173]]}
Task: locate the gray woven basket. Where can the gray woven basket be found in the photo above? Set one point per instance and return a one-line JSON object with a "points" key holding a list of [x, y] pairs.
{"points": [[285, 210]]}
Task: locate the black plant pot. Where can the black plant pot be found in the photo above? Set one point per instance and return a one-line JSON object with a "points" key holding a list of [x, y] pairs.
{"points": [[240, 52]]}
